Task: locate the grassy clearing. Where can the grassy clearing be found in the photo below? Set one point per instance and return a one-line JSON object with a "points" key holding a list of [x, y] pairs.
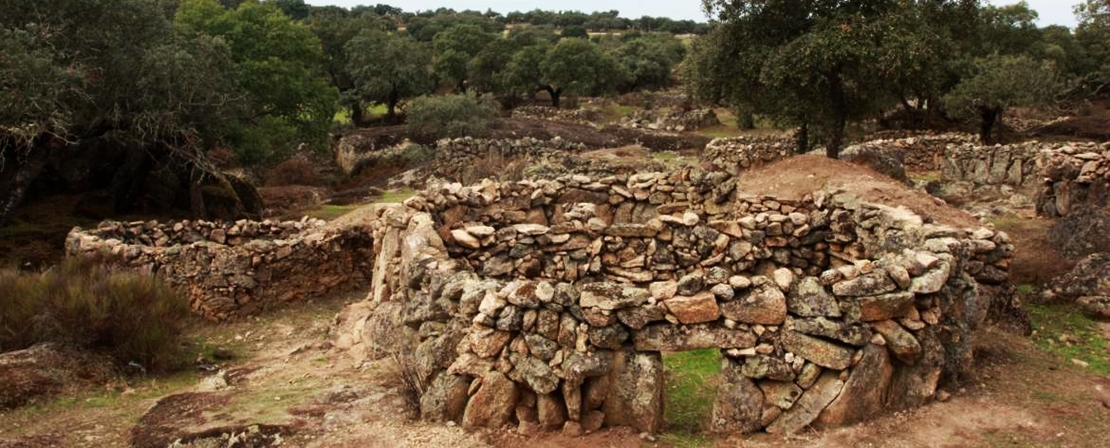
{"points": [[1068, 334], [395, 196], [691, 379], [329, 212]]}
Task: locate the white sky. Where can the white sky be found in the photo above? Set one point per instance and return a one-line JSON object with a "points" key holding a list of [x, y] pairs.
{"points": [[1052, 12]]}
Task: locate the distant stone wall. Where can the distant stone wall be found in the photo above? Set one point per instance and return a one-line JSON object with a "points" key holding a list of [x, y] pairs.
{"points": [[735, 154], [1012, 165], [1073, 176], [671, 120], [547, 304], [580, 116], [233, 270], [920, 152]]}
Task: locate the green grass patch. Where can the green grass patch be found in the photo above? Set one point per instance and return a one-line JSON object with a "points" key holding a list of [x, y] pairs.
{"points": [[1026, 288], [1069, 334], [925, 176], [396, 196], [691, 382], [329, 212]]}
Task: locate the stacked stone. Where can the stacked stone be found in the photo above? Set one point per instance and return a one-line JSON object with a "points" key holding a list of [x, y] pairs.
{"points": [[1088, 284], [580, 116], [735, 154], [673, 120], [918, 152], [1010, 165], [552, 301], [234, 270], [1075, 175], [238, 233]]}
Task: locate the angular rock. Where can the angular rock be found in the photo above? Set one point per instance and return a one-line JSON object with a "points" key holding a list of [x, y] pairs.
{"points": [[782, 394], [762, 366], [465, 239], [886, 306], [871, 284], [639, 317], [493, 404], [489, 344], [612, 296], [550, 411], [857, 335], [690, 284], [864, 392], [631, 230], [610, 337], [900, 342], [810, 299], [763, 306], [809, 406], [818, 351], [636, 391], [663, 290], [536, 373], [737, 409], [699, 308], [931, 281], [673, 338]]}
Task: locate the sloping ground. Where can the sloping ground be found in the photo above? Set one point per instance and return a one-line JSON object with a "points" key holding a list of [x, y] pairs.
{"points": [[798, 176]]}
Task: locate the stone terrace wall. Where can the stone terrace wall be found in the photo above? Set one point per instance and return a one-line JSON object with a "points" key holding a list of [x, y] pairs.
{"points": [[1012, 165], [671, 120], [547, 304], [735, 154], [1074, 175], [925, 152], [580, 116], [233, 270]]}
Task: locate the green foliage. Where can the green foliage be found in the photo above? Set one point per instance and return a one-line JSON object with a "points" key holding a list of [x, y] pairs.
{"points": [[649, 61], [691, 389], [276, 62], [574, 32], [455, 48], [1070, 335], [1004, 82], [448, 116], [132, 317], [387, 68], [579, 67]]}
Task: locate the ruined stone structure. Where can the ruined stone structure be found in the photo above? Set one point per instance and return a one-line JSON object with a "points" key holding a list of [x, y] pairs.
{"points": [[232, 270], [547, 304], [1012, 165], [1073, 176]]}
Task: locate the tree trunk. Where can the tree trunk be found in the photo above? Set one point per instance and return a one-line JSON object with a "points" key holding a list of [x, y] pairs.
{"points": [[358, 116], [554, 92], [391, 103], [836, 137], [989, 117], [839, 119], [19, 172], [801, 139], [745, 119], [461, 87]]}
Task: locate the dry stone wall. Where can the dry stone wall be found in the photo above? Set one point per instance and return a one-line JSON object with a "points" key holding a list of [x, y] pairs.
{"points": [[548, 304], [735, 154], [1073, 176], [1012, 165], [233, 270], [580, 116], [671, 120]]}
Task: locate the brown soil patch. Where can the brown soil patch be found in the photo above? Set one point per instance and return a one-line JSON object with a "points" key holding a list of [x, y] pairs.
{"points": [[1036, 260], [1094, 127], [798, 176]]}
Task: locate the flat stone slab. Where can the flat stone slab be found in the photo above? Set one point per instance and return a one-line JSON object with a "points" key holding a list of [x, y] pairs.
{"points": [[677, 338]]}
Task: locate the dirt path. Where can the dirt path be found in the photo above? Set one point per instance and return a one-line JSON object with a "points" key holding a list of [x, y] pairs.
{"points": [[287, 376]]}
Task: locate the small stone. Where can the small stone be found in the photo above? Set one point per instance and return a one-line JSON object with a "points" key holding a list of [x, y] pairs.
{"points": [[723, 292]]}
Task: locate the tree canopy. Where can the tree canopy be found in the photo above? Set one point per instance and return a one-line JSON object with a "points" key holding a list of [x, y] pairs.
{"points": [[388, 67]]}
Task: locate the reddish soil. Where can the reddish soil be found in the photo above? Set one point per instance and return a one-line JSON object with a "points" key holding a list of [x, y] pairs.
{"points": [[796, 177]]}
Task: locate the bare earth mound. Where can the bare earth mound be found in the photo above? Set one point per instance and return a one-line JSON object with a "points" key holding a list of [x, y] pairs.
{"points": [[798, 176]]}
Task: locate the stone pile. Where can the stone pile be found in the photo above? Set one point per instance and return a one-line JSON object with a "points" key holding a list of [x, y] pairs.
{"points": [[1088, 284], [1073, 176], [735, 154], [233, 270], [547, 304], [673, 120]]}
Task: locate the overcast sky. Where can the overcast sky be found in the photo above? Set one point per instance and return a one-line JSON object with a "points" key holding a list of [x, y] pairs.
{"points": [[1052, 12]]}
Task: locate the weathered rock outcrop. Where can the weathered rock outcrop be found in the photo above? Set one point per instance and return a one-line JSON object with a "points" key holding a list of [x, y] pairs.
{"points": [[571, 288]]}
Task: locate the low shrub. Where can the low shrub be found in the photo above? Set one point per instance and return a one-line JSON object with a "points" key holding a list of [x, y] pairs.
{"points": [[295, 171], [132, 317], [448, 116]]}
